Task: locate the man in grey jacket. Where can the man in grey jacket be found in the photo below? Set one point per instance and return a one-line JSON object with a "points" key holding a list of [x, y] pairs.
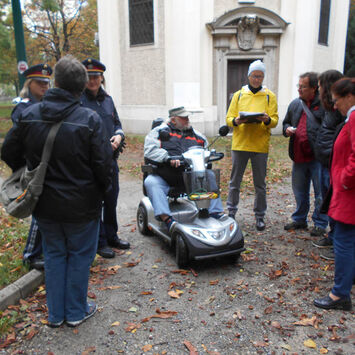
{"points": [[180, 137]]}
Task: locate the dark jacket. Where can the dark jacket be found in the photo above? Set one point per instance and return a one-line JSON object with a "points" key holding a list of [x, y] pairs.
{"points": [[80, 164], [331, 124], [21, 106], [103, 105], [158, 151], [292, 118]]}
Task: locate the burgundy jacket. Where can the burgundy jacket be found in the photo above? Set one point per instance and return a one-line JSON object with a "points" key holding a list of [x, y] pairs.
{"points": [[343, 174]]}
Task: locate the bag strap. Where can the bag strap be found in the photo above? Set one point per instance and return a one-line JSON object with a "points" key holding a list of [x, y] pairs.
{"points": [[307, 110], [48, 146]]}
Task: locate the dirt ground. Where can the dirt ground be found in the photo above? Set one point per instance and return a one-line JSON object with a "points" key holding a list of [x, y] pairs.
{"points": [[260, 305]]}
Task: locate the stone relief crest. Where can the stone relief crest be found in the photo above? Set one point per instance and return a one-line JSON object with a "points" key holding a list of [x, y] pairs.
{"points": [[247, 29]]}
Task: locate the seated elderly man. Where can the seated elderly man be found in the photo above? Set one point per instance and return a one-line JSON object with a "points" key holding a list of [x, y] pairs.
{"points": [[169, 173]]}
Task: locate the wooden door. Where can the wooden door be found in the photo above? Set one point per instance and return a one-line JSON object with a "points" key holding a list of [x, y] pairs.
{"points": [[237, 76]]}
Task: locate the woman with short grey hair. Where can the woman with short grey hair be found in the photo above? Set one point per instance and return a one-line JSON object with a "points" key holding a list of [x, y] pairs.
{"points": [[78, 174]]}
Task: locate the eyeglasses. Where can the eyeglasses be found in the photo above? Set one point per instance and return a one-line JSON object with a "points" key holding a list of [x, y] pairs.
{"points": [[336, 100], [302, 86], [257, 76]]}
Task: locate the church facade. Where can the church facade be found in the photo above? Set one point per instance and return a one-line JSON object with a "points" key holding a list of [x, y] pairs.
{"points": [[161, 54]]}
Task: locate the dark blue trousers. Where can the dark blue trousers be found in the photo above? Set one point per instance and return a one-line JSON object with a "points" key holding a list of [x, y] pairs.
{"points": [[108, 222], [344, 249]]}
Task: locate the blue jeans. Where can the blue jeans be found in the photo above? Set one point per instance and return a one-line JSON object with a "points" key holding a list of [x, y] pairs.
{"points": [[157, 190], [108, 222], [69, 249], [302, 176], [344, 249], [33, 248]]}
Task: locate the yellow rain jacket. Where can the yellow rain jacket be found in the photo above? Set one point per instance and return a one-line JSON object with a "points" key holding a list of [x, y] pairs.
{"points": [[252, 137]]}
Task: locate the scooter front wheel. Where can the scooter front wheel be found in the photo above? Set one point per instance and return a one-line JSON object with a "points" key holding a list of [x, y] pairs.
{"points": [[181, 251], [142, 220]]}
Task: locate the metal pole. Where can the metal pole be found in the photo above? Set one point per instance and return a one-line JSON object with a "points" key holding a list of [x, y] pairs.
{"points": [[20, 41]]}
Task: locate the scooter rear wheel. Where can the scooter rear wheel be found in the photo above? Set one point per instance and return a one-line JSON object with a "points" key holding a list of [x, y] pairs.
{"points": [[181, 251], [142, 220]]}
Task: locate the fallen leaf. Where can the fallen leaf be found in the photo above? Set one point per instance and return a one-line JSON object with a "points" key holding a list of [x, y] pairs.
{"points": [[133, 309], [146, 292], [147, 347], [308, 321], [109, 288], [323, 351], [175, 294], [90, 349], [286, 346], [190, 347], [115, 324], [268, 310], [214, 282], [91, 295], [309, 343], [259, 344]]}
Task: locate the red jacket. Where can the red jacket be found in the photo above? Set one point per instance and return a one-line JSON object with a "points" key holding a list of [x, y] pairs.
{"points": [[342, 204]]}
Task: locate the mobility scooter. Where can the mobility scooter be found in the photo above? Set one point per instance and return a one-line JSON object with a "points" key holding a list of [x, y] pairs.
{"points": [[196, 235]]}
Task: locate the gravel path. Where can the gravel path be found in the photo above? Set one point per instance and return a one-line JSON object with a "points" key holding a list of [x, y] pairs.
{"points": [[147, 306]]}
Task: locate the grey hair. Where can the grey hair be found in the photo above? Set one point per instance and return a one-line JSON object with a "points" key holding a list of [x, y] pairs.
{"points": [[70, 75]]}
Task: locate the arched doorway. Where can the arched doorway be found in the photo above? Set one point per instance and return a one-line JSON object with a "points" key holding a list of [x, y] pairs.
{"points": [[239, 37]]}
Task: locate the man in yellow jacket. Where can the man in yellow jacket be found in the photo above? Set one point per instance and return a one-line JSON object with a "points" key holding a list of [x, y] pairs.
{"points": [[251, 138]]}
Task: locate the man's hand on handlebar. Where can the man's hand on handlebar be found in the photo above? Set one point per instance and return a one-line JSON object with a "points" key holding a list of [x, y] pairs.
{"points": [[175, 163]]}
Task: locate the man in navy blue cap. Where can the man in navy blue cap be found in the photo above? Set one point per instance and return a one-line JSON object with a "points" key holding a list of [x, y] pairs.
{"points": [[34, 88], [96, 98]]}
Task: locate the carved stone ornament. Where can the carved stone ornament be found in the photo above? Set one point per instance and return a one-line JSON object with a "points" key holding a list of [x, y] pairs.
{"points": [[247, 29]]}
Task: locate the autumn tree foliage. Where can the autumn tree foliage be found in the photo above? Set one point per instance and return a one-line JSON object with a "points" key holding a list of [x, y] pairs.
{"points": [[61, 27]]}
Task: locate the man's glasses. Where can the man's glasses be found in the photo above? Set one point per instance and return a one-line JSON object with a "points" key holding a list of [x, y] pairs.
{"points": [[302, 86]]}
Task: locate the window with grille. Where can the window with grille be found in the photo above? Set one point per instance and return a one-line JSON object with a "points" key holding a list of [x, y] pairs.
{"points": [[324, 22], [141, 22]]}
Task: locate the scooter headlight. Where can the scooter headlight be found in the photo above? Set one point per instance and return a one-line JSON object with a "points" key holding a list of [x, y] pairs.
{"points": [[198, 234], [216, 234]]}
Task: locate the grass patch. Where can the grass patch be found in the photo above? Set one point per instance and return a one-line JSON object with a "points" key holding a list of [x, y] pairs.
{"points": [[13, 234], [5, 110]]}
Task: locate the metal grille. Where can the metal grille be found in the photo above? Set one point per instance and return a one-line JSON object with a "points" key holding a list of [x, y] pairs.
{"points": [[141, 22], [324, 22]]}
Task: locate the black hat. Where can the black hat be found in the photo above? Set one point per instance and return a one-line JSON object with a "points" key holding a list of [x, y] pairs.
{"points": [[93, 66], [40, 72]]}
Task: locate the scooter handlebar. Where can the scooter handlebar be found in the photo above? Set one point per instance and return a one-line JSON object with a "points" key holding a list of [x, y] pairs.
{"points": [[177, 157], [216, 156]]}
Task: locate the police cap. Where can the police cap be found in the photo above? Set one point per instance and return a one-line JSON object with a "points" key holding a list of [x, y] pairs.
{"points": [[40, 72], [94, 67]]}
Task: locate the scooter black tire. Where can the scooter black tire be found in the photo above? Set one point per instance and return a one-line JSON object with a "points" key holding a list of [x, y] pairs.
{"points": [[181, 251], [142, 221]]}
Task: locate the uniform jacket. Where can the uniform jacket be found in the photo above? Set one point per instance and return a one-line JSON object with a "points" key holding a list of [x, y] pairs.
{"points": [[252, 137], [342, 174], [80, 165], [292, 118], [159, 151], [21, 106], [104, 106], [331, 124]]}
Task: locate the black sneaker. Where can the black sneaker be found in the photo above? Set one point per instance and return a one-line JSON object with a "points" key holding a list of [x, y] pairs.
{"points": [[92, 310], [231, 214], [54, 324], [323, 243], [295, 225], [317, 231], [217, 215], [328, 254]]}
